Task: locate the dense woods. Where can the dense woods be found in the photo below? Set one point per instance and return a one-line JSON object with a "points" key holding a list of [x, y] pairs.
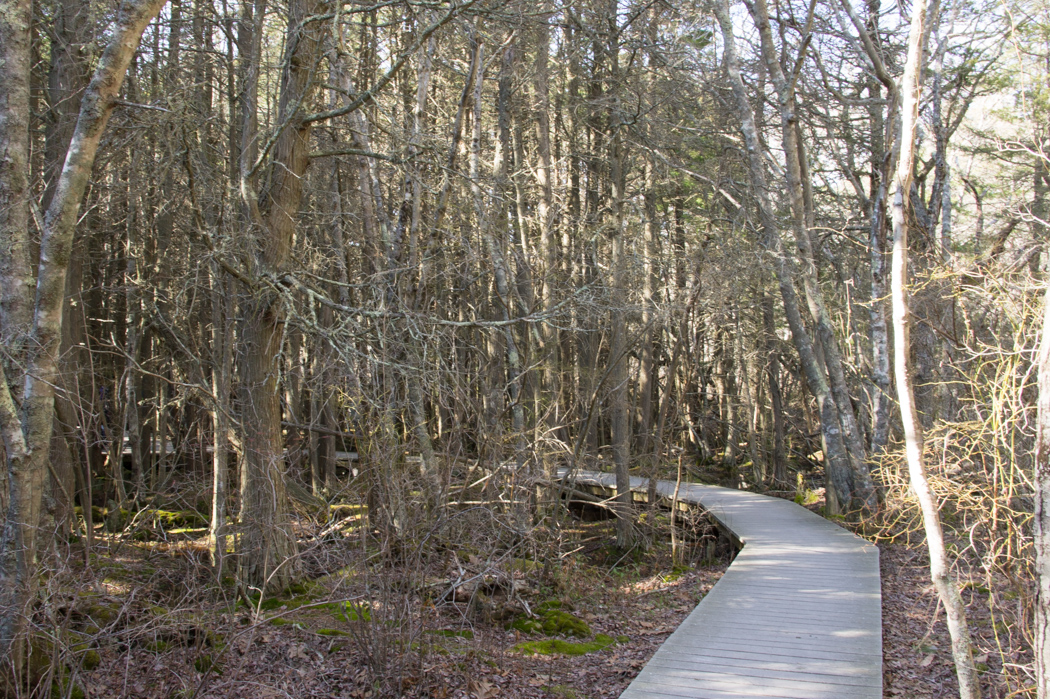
{"points": [[269, 263]]}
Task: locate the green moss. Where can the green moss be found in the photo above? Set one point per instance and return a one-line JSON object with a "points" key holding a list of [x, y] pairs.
{"points": [[89, 628], [299, 589], [268, 605], [552, 621], [280, 621], [526, 625], [171, 519], [215, 640], [188, 530], [101, 614], [205, 663], [556, 646], [158, 647], [306, 594], [806, 497], [60, 689], [523, 565], [90, 660], [41, 652], [349, 611], [453, 633], [547, 606], [559, 623], [332, 632], [676, 572]]}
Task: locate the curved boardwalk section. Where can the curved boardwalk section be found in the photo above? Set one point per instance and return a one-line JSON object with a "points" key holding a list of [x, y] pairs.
{"points": [[798, 614]]}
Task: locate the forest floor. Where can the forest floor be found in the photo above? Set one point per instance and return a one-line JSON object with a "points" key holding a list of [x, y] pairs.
{"points": [[917, 650], [144, 621], [146, 634]]}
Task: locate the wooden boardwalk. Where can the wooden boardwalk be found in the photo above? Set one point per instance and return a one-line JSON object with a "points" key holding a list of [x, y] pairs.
{"points": [[798, 615]]}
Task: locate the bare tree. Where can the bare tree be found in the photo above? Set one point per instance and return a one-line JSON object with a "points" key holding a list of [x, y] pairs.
{"points": [[27, 431], [837, 458], [16, 276], [940, 567], [267, 546], [1041, 535]]}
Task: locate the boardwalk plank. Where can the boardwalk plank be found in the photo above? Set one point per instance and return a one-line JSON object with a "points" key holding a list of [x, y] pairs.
{"points": [[798, 615], [728, 659]]}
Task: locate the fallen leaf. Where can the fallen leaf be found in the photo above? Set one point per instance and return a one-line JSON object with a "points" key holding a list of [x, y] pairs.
{"points": [[483, 689], [297, 650]]}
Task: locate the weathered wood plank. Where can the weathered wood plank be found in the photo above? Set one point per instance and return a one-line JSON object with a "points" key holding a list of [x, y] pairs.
{"points": [[798, 615]]}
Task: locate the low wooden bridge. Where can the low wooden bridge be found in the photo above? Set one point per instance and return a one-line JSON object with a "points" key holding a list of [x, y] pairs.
{"points": [[798, 615]]}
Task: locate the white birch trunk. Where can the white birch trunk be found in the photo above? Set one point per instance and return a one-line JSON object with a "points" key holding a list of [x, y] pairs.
{"points": [[221, 375], [1041, 533], [940, 569]]}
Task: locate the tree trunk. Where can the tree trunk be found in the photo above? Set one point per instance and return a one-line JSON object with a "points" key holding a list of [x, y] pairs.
{"points": [[221, 382], [1041, 533], [432, 478], [940, 569], [802, 209], [619, 416], [16, 275], [267, 544], [505, 301], [743, 382], [650, 329], [836, 458], [28, 436], [776, 403]]}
